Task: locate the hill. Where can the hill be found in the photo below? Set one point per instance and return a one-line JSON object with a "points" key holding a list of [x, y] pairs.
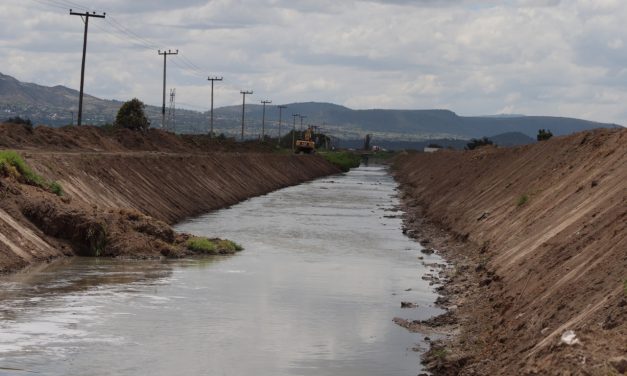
{"points": [[56, 106]]}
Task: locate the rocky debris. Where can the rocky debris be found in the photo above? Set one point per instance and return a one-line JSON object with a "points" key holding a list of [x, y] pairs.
{"points": [[483, 216], [569, 338], [427, 251], [408, 305], [620, 364]]}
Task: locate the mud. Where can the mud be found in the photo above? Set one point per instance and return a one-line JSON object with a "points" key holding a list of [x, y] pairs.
{"points": [[526, 270]]}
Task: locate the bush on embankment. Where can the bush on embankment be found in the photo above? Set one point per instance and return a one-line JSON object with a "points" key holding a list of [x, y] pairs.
{"points": [[344, 160]]}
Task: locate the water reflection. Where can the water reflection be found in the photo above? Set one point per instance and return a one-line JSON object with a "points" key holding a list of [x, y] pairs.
{"points": [[314, 293]]}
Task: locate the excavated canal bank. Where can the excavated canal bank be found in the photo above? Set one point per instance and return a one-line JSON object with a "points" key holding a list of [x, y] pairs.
{"points": [[122, 189], [538, 239]]}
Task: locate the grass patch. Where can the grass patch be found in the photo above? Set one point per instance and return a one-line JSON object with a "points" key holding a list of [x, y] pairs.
{"points": [[201, 245], [229, 246], [56, 188], [439, 353], [522, 200], [12, 164], [344, 160]]}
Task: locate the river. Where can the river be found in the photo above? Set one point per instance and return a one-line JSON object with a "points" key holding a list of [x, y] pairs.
{"points": [[323, 273]]}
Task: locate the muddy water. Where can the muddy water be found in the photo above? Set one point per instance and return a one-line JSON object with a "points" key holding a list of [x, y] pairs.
{"points": [[324, 271]]}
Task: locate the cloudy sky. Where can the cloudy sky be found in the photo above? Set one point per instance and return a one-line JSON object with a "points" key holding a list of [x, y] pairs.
{"points": [[535, 57]]}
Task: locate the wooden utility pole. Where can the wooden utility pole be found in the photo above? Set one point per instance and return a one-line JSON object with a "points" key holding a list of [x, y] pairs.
{"points": [[301, 121], [212, 79], [263, 119], [280, 118], [165, 55], [294, 133], [244, 93], [85, 16]]}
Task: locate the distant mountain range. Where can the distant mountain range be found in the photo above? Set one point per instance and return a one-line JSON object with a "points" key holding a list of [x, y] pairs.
{"points": [[56, 106]]}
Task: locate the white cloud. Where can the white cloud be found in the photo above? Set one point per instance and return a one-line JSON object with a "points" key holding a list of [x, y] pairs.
{"points": [[549, 57]]}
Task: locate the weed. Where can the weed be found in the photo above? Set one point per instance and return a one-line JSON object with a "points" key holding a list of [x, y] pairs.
{"points": [[342, 159], [439, 353], [228, 245], [10, 158], [11, 164], [522, 200], [201, 245], [56, 188]]}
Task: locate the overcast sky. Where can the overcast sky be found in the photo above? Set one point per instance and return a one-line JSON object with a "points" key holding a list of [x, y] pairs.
{"points": [[535, 57]]}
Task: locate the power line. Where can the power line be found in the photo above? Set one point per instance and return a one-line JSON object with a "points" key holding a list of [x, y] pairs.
{"points": [[54, 5], [86, 16]]}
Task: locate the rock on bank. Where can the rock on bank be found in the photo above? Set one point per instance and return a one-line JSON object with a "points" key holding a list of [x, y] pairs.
{"points": [[543, 229]]}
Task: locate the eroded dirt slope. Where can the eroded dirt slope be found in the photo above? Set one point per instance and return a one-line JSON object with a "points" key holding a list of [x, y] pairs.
{"points": [[173, 186], [122, 189], [542, 249]]}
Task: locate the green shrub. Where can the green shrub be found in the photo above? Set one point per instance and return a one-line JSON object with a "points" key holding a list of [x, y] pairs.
{"points": [[11, 164], [478, 142], [228, 246], [201, 245], [18, 120], [544, 135], [342, 159], [56, 188], [132, 116], [522, 200], [11, 160]]}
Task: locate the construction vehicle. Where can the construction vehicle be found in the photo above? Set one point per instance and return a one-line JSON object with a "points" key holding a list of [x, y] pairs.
{"points": [[307, 145]]}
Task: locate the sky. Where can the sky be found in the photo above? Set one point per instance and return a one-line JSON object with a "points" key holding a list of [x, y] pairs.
{"points": [[533, 57]]}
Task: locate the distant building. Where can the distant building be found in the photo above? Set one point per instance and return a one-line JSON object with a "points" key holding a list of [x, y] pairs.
{"points": [[431, 149]]}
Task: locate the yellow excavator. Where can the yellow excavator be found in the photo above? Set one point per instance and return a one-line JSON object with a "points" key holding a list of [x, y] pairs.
{"points": [[307, 145]]}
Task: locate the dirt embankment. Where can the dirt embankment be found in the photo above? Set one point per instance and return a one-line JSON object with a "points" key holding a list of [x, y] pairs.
{"points": [[119, 201], [538, 237]]}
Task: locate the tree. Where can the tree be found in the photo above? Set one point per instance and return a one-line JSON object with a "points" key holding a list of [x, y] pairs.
{"points": [[477, 142], [131, 115], [544, 135]]}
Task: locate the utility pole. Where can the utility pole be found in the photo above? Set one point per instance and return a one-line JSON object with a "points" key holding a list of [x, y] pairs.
{"points": [[86, 16], [263, 119], [294, 133], [244, 93], [212, 79], [165, 55], [301, 121], [280, 118]]}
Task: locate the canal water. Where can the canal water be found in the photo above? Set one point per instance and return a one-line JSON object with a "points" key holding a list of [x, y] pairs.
{"points": [[323, 273]]}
